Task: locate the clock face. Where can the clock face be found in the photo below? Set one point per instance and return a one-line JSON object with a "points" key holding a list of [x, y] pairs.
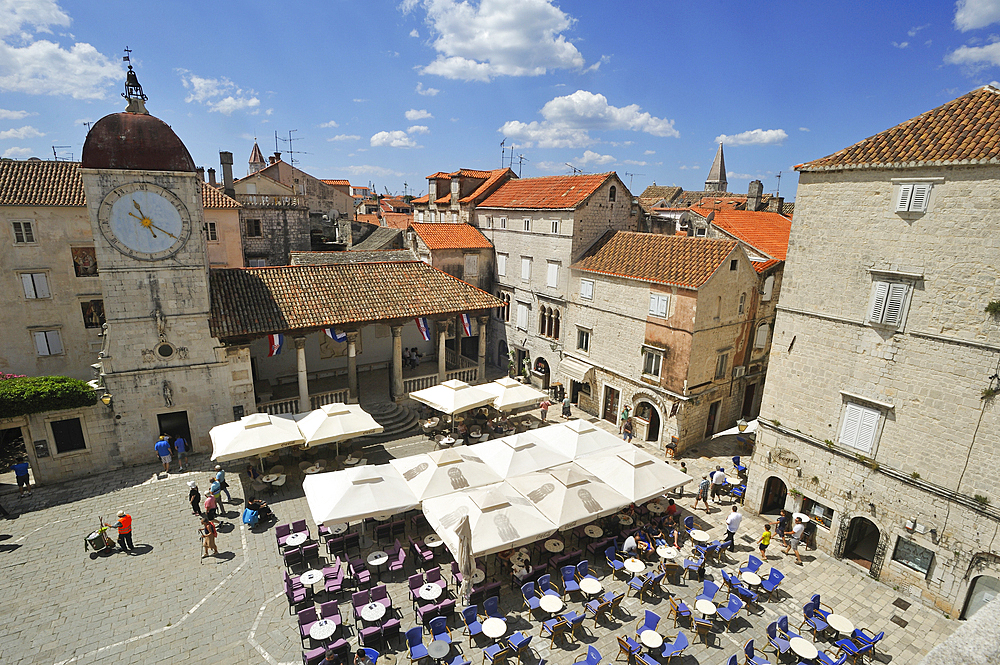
{"points": [[144, 221]]}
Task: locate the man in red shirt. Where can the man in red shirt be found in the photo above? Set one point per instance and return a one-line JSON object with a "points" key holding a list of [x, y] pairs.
{"points": [[124, 526]]}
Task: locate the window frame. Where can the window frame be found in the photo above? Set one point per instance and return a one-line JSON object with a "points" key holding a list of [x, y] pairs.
{"points": [[45, 332], [825, 518], [768, 290], [721, 365], [252, 260], [211, 231], [525, 268], [258, 227], [855, 420], [502, 264], [471, 260], [527, 224], [503, 222], [583, 339], [31, 275], [913, 565], [31, 231], [552, 269], [523, 308], [654, 358], [658, 302], [55, 451], [888, 295], [555, 226], [913, 197], [742, 306], [700, 232], [764, 328], [583, 295], [612, 194]]}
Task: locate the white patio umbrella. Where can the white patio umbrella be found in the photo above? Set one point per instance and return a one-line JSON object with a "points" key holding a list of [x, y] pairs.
{"points": [[568, 495], [333, 423], [354, 494], [256, 434], [577, 438], [444, 471], [453, 396], [634, 473], [519, 453], [466, 561], [510, 394], [499, 518], [751, 429]]}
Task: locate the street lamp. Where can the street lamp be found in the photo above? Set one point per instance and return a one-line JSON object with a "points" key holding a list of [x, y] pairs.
{"points": [[741, 424], [106, 399]]}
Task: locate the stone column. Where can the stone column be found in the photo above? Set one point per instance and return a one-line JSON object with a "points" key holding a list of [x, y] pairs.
{"points": [[442, 328], [397, 362], [352, 367], [300, 361], [483, 323]]}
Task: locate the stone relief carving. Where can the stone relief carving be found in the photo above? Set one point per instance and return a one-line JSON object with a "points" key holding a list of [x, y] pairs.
{"points": [[168, 394], [147, 355], [182, 352]]}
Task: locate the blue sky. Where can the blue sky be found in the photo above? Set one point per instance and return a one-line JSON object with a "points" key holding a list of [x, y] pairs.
{"points": [[390, 92]]}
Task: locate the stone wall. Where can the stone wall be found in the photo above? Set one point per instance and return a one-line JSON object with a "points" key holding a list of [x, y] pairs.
{"points": [[283, 230]]}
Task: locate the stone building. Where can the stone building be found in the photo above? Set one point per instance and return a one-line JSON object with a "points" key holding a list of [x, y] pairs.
{"points": [[453, 197], [664, 325], [879, 418], [538, 227], [274, 219], [461, 250]]}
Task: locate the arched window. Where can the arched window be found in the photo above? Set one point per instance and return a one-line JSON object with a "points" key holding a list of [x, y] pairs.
{"points": [[768, 288], [760, 339], [612, 193], [555, 325], [743, 303], [543, 315]]}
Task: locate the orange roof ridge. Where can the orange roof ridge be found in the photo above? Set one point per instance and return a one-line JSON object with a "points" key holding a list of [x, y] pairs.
{"points": [[548, 192], [451, 236]]}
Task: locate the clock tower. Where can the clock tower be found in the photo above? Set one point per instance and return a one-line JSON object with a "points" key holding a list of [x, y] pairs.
{"points": [[160, 364]]}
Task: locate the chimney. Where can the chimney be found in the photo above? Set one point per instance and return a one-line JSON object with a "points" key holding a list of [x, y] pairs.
{"points": [[775, 204], [275, 158], [226, 158], [211, 177], [754, 195], [201, 173]]}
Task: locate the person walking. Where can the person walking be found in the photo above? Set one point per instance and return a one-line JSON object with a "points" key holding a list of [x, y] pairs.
{"points": [[210, 506], [781, 526], [795, 539], [718, 480], [162, 448], [627, 431], [624, 418], [732, 524], [566, 413], [679, 491], [764, 541], [194, 498], [124, 526], [180, 445], [208, 534], [544, 408], [21, 475], [220, 475], [702, 494]]}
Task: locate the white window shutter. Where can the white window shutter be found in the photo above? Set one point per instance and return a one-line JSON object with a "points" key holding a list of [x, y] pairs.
{"points": [[54, 341], [652, 304], [502, 265], [41, 285], [768, 288], [849, 431], [903, 202], [525, 268], [662, 307], [41, 346], [760, 340], [29, 285], [878, 304], [918, 202], [866, 430], [894, 304], [522, 316], [553, 276]]}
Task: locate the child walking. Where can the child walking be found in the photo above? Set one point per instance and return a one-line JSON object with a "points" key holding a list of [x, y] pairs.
{"points": [[764, 541]]}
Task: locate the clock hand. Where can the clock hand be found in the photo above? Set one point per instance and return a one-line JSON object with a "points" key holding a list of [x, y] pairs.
{"points": [[164, 231], [136, 204]]}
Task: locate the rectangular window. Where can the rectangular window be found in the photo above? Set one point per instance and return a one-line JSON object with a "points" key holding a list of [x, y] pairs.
{"points": [[253, 228], [555, 226], [489, 221], [734, 264], [420, 217], [502, 265], [888, 303], [860, 427], [583, 339], [454, 218], [256, 263], [503, 222], [651, 363], [587, 289], [658, 305], [913, 555], [68, 435], [768, 289], [700, 233], [817, 511], [212, 232], [522, 316], [93, 313], [48, 342], [913, 197], [760, 338], [721, 364], [471, 265], [525, 268], [552, 278], [35, 284], [527, 223], [24, 232]]}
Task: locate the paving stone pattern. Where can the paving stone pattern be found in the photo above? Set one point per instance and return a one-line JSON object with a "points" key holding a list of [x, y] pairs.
{"points": [[167, 604]]}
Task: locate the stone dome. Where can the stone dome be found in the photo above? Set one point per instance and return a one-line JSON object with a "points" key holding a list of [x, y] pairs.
{"points": [[134, 141]]}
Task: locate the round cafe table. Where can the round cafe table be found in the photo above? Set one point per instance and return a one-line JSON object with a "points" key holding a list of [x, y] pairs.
{"points": [[655, 508], [310, 577], [478, 575], [296, 539], [339, 528], [323, 630], [706, 607], [803, 648], [591, 586], [494, 628], [842, 625], [593, 531], [651, 639], [313, 469], [372, 611], [377, 559], [270, 478], [430, 591], [699, 536], [634, 565], [753, 579], [554, 545], [438, 649], [625, 520], [383, 518], [351, 461], [433, 541], [550, 603], [666, 552]]}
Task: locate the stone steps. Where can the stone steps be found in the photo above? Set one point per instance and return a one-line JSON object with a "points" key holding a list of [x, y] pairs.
{"points": [[398, 422]]}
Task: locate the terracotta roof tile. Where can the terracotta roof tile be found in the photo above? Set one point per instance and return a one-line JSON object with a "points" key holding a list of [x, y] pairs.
{"points": [[451, 236], [48, 183], [673, 260], [397, 220], [338, 183], [963, 130], [350, 256], [421, 199], [492, 180], [767, 232], [553, 192], [761, 266], [253, 302]]}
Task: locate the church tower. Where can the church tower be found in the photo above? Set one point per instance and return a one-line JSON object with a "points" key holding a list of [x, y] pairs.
{"points": [[256, 159], [717, 174], [160, 364]]}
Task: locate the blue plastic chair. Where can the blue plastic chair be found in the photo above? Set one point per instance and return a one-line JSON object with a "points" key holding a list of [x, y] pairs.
{"points": [[415, 644], [555, 627], [849, 648], [569, 579], [492, 607], [439, 629], [518, 642], [733, 660], [616, 564], [729, 611], [776, 641], [783, 627], [675, 648], [771, 583], [678, 609], [689, 524], [530, 597], [545, 587], [753, 565], [574, 620], [496, 653], [649, 623], [593, 656], [692, 565], [862, 638], [751, 655], [740, 469], [583, 570], [372, 654], [708, 591], [813, 620], [819, 606], [460, 660], [823, 658], [470, 615]]}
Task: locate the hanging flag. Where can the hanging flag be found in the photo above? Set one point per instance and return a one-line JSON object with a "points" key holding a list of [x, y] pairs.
{"points": [[336, 335], [275, 342], [424, 328], [466, 325]]}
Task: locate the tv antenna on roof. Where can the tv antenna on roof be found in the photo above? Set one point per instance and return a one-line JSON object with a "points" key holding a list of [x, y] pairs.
{"points": [[55, 155], [502, 150], [576, 171], [777, 189], [630, 178], [290, 151], [521, 159]]}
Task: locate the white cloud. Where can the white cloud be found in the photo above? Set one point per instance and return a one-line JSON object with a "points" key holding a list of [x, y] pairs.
{"points": [[14, 115], [975, 56], [900, 44], [329, 124], [14, 153], [426, 92], [476, 42], [418, 129], [551, 166], [972, 14], [738, 176], [39, 14], [44, 67], [914, 31], [397, 138], [633, 162], [591, 157], [803, 129], [568, 121], [414, 114], [367, 169], [26, 132], [414, 33], [649, 152], [345, 137], [753, 137], [218, 94], [359, 101]]}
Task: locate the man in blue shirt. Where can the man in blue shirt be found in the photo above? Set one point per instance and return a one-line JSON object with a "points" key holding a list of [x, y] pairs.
{"points": [[162, 447], [180, 445], [220, 475], [21, 474]]}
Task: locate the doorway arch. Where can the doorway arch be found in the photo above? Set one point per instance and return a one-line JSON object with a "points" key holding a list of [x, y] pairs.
{"points": [[983, 589], [775, 494], [542, 368], [648, 413], [862, 542], [502, 355]]}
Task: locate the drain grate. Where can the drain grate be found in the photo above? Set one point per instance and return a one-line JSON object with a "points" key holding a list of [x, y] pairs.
{"points": [[593, 420], [901, 604], [899, 622], [748, 539]]}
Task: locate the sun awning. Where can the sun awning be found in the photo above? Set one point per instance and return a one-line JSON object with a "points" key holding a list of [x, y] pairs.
{"points": [[574, 368], [358, 493]]}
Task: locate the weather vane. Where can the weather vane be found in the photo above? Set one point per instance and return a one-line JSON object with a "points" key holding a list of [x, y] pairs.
{"points": [[133, 91]]}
